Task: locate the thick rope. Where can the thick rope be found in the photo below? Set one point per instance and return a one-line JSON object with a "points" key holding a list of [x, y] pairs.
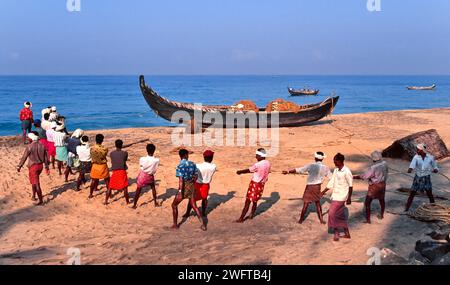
{"points": [[432, 212]]}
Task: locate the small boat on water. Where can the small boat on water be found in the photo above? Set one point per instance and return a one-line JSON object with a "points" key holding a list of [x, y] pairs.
{"points": [[432, 87], [166, 108], [302, 92]]}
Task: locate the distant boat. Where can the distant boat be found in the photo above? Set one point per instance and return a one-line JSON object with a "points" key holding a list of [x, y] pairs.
{"points": [[302, 92], [165, 108], [432, 87]]}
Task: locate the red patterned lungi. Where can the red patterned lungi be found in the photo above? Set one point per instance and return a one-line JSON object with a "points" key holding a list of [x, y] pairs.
{"points": [[255, 191]]}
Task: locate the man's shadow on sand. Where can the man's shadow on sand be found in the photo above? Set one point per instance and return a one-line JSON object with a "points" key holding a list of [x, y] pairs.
{"points": [[214, 201], [268, 203]]}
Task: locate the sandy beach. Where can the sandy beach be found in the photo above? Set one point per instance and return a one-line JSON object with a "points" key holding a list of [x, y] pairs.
{"points": [[117, 234]]}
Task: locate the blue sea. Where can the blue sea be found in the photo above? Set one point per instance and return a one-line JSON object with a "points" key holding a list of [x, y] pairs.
{"points": [[107, 102]]}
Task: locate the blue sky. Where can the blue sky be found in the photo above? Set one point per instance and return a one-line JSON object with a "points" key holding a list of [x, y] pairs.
{"points": [[224, 37]]}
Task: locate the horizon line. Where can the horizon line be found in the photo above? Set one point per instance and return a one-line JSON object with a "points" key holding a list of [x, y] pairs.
{"points": [[218, 74]]}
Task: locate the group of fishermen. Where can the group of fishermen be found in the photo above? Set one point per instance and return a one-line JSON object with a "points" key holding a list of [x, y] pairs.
{"points": [[75, 153]]}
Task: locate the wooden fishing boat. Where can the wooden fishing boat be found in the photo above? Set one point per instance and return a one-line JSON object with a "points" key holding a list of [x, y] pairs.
{"points": [[168, 109], [302, 92], [432, 87]]}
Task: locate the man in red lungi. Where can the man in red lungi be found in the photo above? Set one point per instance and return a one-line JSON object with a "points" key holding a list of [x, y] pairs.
{"points": [[255, 190], [376, 175], [37, 160], [341, 183], [317, 172], [119, 178], [206, 171]]}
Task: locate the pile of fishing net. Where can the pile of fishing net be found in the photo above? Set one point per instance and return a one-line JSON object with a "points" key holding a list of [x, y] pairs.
{"points": [[432, 212], [281, 105], [277, 105], [245, 105]]}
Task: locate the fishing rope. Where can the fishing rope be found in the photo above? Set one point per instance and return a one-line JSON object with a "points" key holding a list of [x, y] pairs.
{"points": [[432, 212]]}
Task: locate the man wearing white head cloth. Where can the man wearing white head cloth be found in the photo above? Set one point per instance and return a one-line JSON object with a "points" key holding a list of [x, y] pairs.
{"points": [[317, 172], [51, 149], [260, 171], [72, 143], [36, 154], [26, 119], [423, 164], [376, 176], [53, 114]]}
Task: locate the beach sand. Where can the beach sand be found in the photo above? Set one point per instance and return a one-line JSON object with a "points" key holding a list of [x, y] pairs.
{"points": [[117, 234]]}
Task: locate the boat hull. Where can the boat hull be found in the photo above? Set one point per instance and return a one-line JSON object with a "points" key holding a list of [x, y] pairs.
{"points": [[221, 116]]}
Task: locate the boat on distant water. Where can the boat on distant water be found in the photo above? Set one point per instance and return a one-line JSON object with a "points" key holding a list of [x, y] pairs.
{"points": [[432, 87], [166, 108], [302, 92]]}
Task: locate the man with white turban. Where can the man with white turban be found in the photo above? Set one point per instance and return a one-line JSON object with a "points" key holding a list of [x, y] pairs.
{"points": [[317, 172], [376, 176], [26, 119], [72, 143], [423, 164], [260, 171], [37, 157]]}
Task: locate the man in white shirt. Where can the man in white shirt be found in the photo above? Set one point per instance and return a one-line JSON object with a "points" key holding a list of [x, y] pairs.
{"points": [[84, 155], [44, 111], [46, 124], [317, 172], [342, 185], [146, 177], [424, 165], [206, 172], [59, 138]]}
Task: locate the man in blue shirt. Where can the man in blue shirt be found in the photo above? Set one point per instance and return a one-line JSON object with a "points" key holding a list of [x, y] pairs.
{"points": [[187, 175]]}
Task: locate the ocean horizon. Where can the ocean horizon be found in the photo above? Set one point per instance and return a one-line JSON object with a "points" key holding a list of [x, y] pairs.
{"points": [[115, 101]]}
